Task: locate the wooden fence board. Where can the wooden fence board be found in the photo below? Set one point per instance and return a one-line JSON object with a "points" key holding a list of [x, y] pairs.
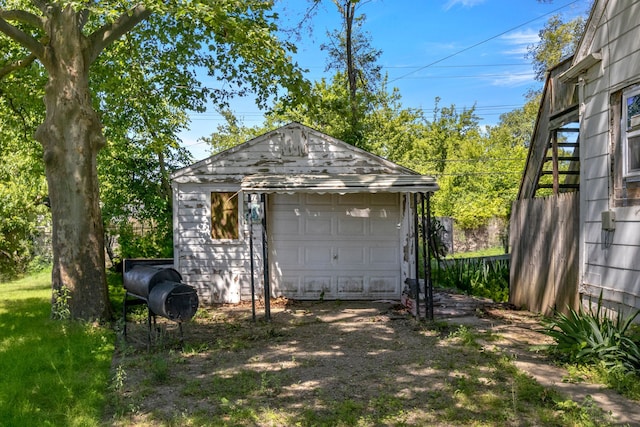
{"points": [[544, 253]]}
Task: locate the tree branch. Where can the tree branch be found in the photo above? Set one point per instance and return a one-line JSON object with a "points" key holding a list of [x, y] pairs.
{"points": [[42, 5], [107, 34], [20, 37], [21, 16], [23, 63], [83, 17]]}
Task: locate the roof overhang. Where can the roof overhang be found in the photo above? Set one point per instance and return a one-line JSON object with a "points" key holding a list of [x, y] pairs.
{"points": [[580, 67], [340, 184]]}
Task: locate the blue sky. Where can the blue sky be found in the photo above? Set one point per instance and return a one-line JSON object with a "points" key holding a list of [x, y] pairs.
{"points": [[467, 52]]}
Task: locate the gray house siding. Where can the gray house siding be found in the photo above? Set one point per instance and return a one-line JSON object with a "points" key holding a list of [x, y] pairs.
{"points": [[610, 259]]}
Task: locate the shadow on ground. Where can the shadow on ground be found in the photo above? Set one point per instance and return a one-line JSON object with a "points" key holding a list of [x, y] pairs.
{"points": [[348, 363]]}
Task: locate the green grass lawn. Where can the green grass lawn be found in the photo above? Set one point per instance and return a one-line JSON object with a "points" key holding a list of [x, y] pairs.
{"points": [[479, 253], [53, 373]]}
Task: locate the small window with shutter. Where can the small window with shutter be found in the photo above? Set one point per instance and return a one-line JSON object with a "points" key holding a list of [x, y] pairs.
{"points": [[225, 216]]}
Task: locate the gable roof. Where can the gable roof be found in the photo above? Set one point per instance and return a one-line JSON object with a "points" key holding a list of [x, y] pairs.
{"points": [[584, 45], [292, 149]]}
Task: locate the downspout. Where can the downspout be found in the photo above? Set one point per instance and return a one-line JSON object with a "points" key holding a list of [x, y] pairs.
{"points": [[581, 246]]}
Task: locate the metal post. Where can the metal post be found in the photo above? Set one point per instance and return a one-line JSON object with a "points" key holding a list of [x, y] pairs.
{"points": [[425, 255], [265, 260], [428, 283], [416, 246], [253, 286]]}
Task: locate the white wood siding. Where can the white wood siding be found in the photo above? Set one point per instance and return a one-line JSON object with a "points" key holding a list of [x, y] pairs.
{"points": [[220, 270], [611, 260]]}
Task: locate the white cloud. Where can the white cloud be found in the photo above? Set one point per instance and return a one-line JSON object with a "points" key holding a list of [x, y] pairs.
{"points": [[521, 37], [513, 79], [518, 42], [464, 3]]}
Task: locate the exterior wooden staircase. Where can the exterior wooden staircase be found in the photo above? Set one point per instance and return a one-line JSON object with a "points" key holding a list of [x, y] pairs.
{"points": [[554, 154]]}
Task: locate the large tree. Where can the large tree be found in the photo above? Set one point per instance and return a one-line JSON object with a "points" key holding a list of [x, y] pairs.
{"points": [[69, 40], [558, 40], [353, 57]]}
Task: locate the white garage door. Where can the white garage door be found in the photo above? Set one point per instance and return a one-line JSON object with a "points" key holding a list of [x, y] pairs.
{"points": [[335, 246]]}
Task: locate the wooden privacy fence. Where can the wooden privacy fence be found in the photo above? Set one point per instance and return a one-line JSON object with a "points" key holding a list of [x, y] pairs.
{"points": [[544, 253]]}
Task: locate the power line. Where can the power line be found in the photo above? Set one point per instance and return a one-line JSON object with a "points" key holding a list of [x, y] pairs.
{"points": [[483, 42], [387, 67], [521, 64], [448, 76], [485, 110]]}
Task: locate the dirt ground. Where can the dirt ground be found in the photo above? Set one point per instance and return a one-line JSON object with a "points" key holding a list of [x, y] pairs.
{"points": [[337, 349]]}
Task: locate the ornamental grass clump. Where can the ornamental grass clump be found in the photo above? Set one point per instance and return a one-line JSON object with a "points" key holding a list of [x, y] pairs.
{"points": [[593, 337], [479, 277]]}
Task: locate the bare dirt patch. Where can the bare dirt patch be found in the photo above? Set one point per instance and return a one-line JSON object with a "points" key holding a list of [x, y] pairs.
{"points": [[331, 363]]}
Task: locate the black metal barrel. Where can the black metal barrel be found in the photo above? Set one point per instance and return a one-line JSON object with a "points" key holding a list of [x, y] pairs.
{"points": [[175, 301], [141, 279]]}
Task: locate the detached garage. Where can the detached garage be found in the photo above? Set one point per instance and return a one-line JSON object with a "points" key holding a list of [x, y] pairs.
{"points": [[300, 214]]}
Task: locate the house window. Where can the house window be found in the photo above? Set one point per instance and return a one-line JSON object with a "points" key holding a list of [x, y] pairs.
{"points": [[224, 216], [631, 132]]}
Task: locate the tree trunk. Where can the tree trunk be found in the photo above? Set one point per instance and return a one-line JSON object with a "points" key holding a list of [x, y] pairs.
{"points": [[71, 136], [349, 12]]}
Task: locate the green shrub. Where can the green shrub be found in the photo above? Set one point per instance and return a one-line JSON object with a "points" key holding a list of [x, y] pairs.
{"points": [[475, 276], [155, 242], [592, 337]]}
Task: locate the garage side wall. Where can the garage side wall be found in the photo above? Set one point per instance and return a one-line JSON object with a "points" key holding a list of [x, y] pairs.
{"points": [[219, 269]]}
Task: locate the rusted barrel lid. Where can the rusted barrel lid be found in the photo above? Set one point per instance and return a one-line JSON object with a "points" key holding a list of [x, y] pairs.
{"points": [[175, 301]]}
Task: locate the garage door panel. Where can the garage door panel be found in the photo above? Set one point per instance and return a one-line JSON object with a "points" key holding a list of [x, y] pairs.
{"points": [[383, 227], [337, 246], [384, 285], [317, 255], [316, 285], [289, 253], [352, 226], [351, 285], [383, 255], [286, 201], [318, 226], [352, 199], [314, 200], [288, 285], [383, 199], [292, 221], [351, 256]]}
